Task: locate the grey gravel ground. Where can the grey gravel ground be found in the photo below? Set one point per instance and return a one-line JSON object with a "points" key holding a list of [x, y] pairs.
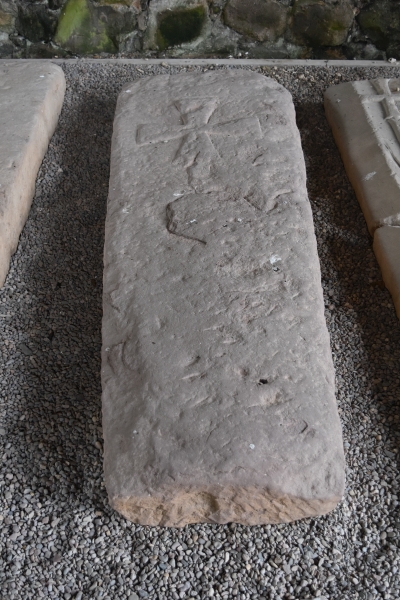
{"points": [[58, 537]]}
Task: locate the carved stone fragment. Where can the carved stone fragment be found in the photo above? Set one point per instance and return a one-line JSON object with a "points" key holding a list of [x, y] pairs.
{"points": [[365, 120], [218, 383]]}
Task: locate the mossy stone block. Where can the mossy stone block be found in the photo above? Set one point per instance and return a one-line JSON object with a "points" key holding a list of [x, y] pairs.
{"points": [[380, 21], [262, 20], [179, 26], [80, 31], [36, 23], [318, 23], [118, 20], [56, 4]]}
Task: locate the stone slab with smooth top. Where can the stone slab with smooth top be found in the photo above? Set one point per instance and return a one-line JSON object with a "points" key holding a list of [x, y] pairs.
{"points": [[31, 97], [218, 383]]}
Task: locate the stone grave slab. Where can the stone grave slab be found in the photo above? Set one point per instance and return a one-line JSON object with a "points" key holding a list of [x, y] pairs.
{"points": [[365, 121], [218, 383], [31, 97]]}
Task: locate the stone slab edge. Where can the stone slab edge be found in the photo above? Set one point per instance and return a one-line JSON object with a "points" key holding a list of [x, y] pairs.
{"points": [[19, 193], [234, 62], [387, 251]]}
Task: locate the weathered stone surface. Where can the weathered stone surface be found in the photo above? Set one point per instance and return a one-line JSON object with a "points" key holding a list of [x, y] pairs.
{"points": [[263, 20], [326, 23], [7, 18], [31, 96], [364, 116], [218, 383], [387, 252], [41, 50], [56, 4], [36, 22]]}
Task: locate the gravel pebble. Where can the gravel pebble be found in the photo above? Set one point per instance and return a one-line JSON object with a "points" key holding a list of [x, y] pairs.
{"points": [[58, 537]]}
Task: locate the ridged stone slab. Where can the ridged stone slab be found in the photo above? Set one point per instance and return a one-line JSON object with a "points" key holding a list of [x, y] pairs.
{"points": [[31, 97], [218, 384], [365, 121]]}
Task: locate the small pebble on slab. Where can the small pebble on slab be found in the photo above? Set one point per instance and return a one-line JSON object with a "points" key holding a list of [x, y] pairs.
{"points": [[218, 383], [31, 97]]}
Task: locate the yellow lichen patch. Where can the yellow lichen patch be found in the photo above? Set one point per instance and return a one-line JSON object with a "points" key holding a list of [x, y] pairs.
{"points": [[6, 21]]}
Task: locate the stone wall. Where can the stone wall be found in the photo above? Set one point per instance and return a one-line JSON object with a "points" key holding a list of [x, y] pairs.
{"points": [[367, 29]]}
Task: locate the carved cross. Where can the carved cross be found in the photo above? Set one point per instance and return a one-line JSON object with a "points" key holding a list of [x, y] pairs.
{"points": [[197, 152]]}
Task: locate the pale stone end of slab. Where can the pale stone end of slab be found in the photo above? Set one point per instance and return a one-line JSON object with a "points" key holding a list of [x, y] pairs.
{"points": [[31, 97], [364, 119], [387, 252], [248, 506]]}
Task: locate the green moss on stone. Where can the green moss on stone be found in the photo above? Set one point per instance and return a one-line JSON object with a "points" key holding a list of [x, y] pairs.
{"points": [[79, 31], [179, 26], [75, 17], [336, 26]]}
